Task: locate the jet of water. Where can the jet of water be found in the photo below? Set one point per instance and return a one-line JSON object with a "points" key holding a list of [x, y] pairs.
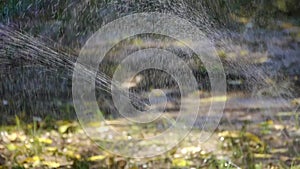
{"points": [[18, 49]]}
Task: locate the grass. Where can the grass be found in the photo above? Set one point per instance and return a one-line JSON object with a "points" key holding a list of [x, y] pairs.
{"points": [[64, 145]]}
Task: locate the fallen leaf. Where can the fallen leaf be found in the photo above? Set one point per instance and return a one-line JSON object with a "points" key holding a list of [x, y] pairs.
{"points": [[22, 137], [231, 134], [11, 147], [33, 159], [180, 162], [12, 137], [51, 149], [65, 126], [96, 158], [51, 164], [239, 134], [45, 140], [279, 150], [72, 154], [192, 150], [296, 101], [262, 156]]}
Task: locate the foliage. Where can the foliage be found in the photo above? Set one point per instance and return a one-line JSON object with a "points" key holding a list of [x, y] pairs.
{"points": [[26, 146]]}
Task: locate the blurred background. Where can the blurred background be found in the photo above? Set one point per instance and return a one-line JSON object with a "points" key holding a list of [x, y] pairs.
{"points": [[256, 40]]}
